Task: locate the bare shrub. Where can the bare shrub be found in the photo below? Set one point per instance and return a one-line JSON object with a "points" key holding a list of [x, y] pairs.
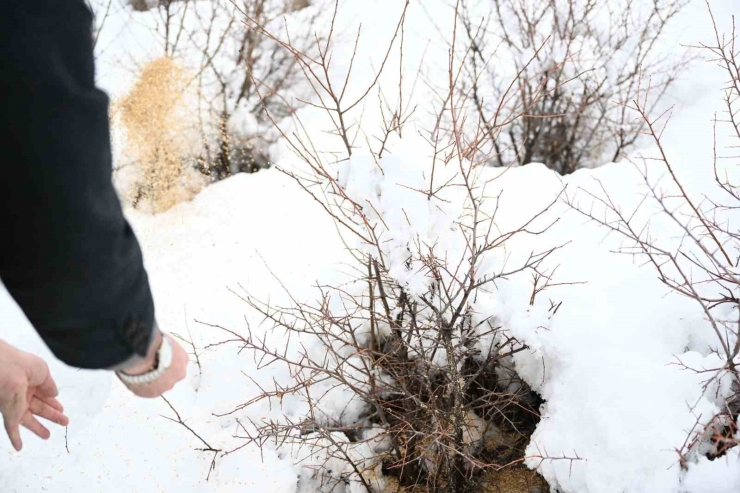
{"points": [[159, 132], [208, 39], [143, 5], [227, 59], [590, 56], [410, 344], [702, 264]]}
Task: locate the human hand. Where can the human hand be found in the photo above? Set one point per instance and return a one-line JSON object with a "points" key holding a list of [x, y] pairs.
{"points": [[27, 390], [176, 371]]}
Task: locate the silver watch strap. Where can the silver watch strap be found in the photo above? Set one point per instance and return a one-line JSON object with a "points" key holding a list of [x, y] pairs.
{"points": [[165, 360]]}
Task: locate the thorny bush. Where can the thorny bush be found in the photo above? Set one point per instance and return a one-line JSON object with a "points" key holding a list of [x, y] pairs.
{"points": [[221, 62], [412, 342], [699, 261], [590, 56]]}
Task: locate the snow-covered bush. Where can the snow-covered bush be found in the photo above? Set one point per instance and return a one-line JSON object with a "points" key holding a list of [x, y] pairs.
{"points": [[222, 62], [413, 342], [590, 56], [693, 250], [230, 62], [405, 368]]}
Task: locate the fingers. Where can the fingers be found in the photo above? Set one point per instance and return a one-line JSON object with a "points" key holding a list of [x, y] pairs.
{"points": [[53, 402], [34, 426], [48, 408], [27, 390], [44, 410], [13, 406], [14, 433]]}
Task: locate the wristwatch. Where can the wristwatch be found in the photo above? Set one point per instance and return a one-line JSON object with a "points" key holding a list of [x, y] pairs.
{"points": [[163, 362]]}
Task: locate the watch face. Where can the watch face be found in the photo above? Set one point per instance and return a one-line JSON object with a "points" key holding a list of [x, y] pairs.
{"points": [[165, 353]]}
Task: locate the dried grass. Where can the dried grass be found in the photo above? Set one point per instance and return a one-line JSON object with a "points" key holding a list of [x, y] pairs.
{"points": [[518, 479], [161, 134]]}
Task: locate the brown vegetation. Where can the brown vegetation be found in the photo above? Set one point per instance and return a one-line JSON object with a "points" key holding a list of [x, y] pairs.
{"points": [[159, 131]]}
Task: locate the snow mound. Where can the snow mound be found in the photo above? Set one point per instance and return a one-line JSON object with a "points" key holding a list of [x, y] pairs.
{"points": [[604, 363]]}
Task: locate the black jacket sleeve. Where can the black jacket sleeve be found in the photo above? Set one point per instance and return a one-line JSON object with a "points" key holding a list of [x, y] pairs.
{"points": [[67, 255]]}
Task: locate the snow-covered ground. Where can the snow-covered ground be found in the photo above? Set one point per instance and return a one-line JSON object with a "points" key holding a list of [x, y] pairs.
{"points": [[603, 363]]}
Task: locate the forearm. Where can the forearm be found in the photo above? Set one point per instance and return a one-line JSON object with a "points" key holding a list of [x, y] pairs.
{"points": [[68, 256]]}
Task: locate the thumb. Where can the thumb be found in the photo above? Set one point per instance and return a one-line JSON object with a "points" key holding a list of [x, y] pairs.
{"points": [[38, 376]]}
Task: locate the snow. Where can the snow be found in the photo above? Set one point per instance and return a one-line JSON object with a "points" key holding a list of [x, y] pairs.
{"points": [[121, 444], [719, 476], [606, 363]]}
